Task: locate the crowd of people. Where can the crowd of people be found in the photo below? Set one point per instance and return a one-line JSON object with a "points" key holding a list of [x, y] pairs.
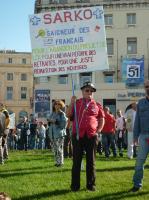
{"points": [[83, 127]]}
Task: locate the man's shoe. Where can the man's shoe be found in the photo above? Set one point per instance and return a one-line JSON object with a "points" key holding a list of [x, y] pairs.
{"points": [[91, 188], [130, 157], [135, 189], [75, 189], [59, 165], [121, 154]]}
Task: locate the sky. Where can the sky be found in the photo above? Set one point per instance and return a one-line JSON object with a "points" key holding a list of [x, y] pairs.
{"points": [[14, 24]]}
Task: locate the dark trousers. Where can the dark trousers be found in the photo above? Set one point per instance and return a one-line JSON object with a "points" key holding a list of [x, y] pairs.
{"points": [[108, 140], [67, 145], [23, 143], [120, 141], [89, 145]]}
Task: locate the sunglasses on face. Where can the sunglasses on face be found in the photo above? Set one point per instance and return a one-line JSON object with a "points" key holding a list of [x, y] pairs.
{"points": [[57, 104], [147, 86], [88, 90]]}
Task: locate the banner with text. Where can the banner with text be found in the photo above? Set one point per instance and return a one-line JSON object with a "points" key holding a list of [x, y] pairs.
{"points": [[133, 71], [68, 41], [42, 103]]}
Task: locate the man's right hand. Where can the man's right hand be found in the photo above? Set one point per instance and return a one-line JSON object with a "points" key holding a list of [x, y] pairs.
{"points": [[73, 99], [69, 108]]}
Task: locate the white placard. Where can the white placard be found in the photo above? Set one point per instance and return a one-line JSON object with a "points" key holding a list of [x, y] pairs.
{"points": [[68, 41]]}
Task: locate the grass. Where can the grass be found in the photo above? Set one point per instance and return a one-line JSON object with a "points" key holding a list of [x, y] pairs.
{"points": [[32, 175]]}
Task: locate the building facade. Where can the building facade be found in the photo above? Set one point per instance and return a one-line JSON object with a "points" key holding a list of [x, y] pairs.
{"points": [[16, 82], [127, 36]]}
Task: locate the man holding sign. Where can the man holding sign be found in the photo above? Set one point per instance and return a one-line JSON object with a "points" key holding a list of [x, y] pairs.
{"points": [[67, 42], [89, 121]]}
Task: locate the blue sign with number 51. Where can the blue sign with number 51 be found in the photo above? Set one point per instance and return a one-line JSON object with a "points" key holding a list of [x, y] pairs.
{"points": [[133, 71]]}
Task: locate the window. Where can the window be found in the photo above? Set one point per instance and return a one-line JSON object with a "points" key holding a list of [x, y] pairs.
{"points": [[131, 45], [131, 18], [23, 77], [85, 77], [9, 76], [23, 60], [43, 79], [108, 20], [9, 93], [63, 79], [110, 46], [108, 78], [9, 60], [23, 93], [82, 1], [62, 1], [56, 1]]}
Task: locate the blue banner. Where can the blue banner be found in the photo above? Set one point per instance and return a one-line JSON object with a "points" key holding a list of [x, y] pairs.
{"points": [[133, 71]]}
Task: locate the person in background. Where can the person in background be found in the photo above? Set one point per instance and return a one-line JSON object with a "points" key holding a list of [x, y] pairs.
{"points": [[121, 128], [14, 138], [41, 135], [141, 138], [6, 131], [108, 133], [67, 141], [2, 129], [130, 118], [57, 130], [33, 133], [4, 196], [90, 121], [23, 127], [11, 139], [47, 139], [99, 145]]}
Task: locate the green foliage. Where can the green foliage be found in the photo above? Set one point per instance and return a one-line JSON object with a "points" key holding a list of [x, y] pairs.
{"points": [[32, 175]]}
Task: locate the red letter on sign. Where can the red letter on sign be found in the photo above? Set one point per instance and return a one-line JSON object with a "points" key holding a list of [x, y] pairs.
{"points": [[47, 18]]}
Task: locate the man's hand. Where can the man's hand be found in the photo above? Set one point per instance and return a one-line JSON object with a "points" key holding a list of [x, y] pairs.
{"points": [[100, 125], [69, 108], [73, 100]]}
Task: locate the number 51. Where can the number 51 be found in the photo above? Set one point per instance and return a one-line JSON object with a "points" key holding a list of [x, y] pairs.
{"points": [[133, 71]]}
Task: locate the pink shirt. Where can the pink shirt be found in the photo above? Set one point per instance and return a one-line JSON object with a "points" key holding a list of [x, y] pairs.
{"points": [[88, 114]]}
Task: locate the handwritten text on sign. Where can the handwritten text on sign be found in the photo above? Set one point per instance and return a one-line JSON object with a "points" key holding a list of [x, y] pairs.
{"points": [[68, 41]]}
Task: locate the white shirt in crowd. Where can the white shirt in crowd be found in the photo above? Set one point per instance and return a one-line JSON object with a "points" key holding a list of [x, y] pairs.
{"points": [[120, 123]]}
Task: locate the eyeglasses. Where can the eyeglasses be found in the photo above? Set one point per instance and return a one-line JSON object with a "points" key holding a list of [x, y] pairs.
{"points": [[57, 104], [88, 90], [147, 86]]}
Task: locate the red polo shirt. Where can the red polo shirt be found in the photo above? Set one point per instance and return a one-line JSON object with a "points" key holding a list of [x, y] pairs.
{"points": [[88, 114], [109, 126]]}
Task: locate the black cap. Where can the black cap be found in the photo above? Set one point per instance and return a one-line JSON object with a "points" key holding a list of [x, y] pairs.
{"points": [[88, 84]]}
